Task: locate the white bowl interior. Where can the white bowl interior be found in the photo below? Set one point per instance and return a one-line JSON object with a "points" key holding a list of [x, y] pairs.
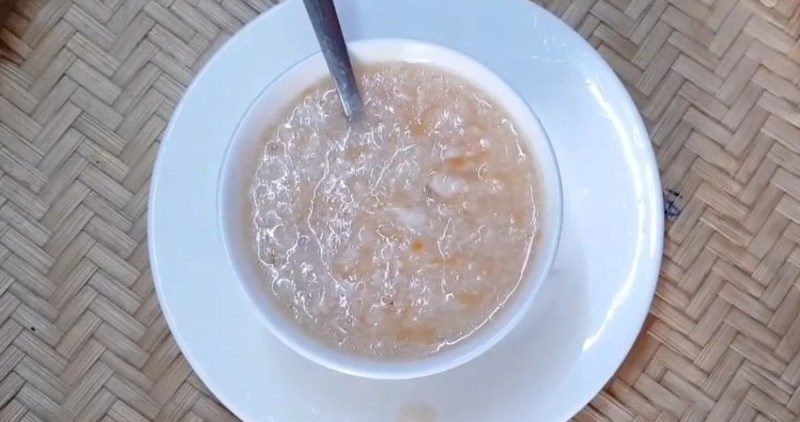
{"points": [[246, 146]]}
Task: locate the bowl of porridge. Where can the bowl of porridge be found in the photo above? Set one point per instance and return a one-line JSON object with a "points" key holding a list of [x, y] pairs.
{"points": [[402, 244]]}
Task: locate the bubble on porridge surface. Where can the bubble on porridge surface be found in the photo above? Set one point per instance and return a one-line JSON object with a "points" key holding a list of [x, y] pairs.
{"points": [[403, 233]]}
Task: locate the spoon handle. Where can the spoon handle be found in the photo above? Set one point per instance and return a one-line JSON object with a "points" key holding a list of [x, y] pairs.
{"points": [[329, 34]]}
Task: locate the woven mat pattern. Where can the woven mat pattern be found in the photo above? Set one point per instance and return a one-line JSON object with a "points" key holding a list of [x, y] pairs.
{"points": [[87, 87]]}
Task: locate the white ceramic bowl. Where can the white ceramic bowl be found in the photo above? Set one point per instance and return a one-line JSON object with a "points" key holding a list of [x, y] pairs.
{"points": [[246, 146]]}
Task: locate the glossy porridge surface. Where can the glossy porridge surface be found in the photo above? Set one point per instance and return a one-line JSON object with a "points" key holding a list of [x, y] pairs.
{"points": [[404, 233]]}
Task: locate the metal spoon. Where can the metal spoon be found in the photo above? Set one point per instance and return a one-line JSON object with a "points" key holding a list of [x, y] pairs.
{"points": [[329, 34]]}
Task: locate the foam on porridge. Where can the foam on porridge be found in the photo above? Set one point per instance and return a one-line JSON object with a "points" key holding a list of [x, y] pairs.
{"points": [[404, 233]]}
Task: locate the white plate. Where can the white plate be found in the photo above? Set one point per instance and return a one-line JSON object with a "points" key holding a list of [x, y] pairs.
{"points": [[586, 316]]}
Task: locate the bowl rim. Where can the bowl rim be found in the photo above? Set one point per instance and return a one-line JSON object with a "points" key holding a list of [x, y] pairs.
{"points": [[423, 52]]}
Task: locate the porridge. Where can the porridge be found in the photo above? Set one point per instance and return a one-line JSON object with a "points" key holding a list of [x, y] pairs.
{"points": [[403, 233]]}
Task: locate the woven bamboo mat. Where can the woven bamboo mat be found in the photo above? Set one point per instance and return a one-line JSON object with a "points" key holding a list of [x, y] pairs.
{"points": [[87, 87]]}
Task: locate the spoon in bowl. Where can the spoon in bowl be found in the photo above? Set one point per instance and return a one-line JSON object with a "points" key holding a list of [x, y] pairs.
{"points": [[329, 34]]}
